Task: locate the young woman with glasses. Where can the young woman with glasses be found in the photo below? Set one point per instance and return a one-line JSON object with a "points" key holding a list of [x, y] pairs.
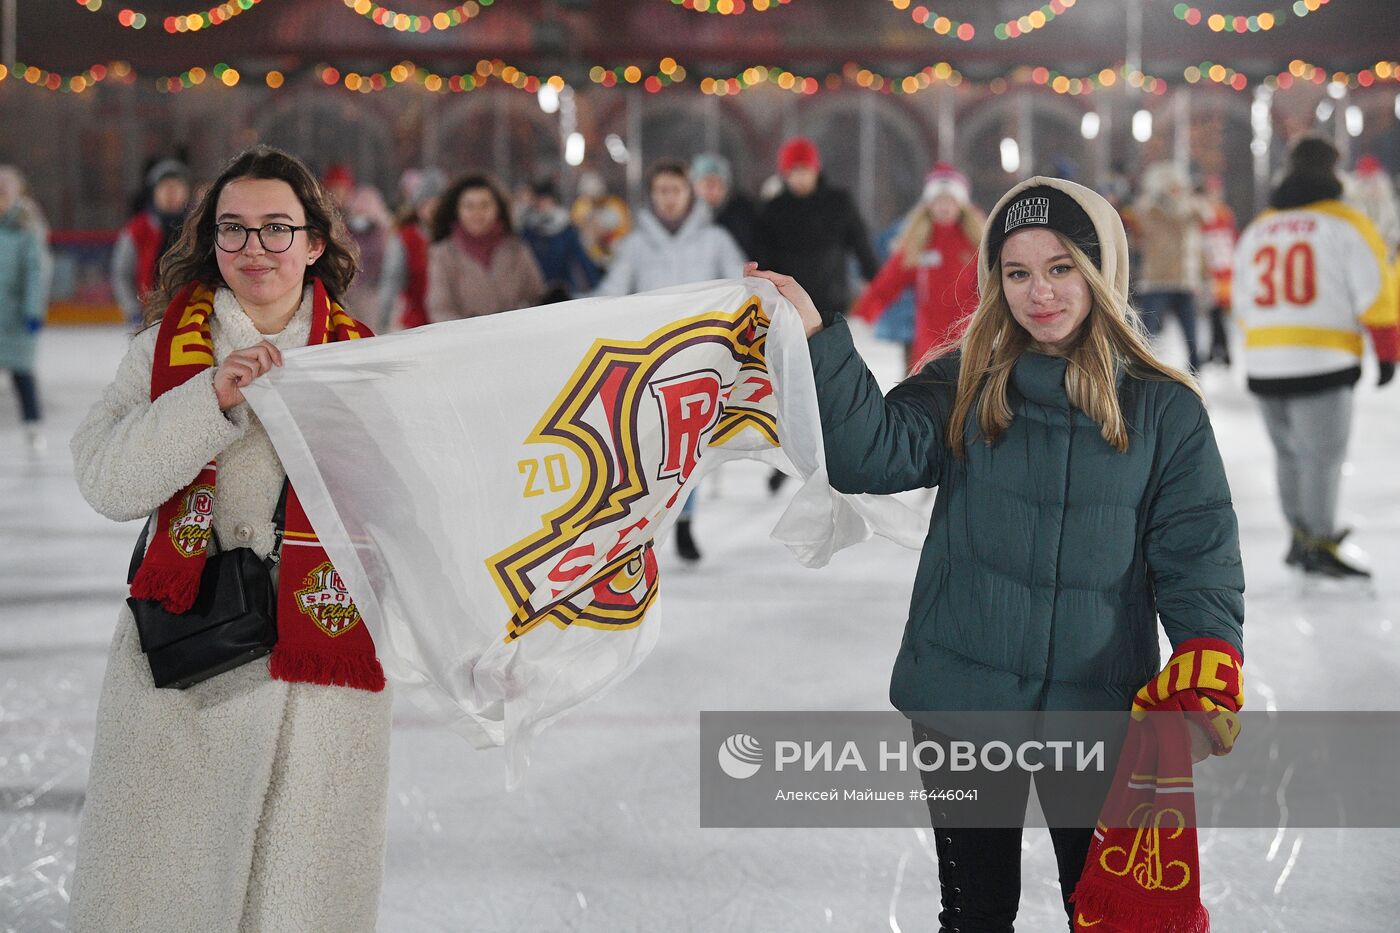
{"points": [[256, 799]]}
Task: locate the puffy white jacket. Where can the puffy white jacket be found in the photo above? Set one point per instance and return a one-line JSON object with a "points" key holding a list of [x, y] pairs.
{"points": [[653, 257]]}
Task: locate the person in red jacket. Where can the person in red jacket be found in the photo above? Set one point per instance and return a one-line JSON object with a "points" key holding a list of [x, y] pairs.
{"points": [[936, 254], [147, 235], [1218, 235], [403, 283]]}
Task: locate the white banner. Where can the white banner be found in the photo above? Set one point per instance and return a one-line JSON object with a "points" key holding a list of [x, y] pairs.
{"points": [[490, 489]]}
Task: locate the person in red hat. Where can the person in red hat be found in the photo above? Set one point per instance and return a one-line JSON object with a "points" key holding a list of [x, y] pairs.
{"points": [[339, 182], [936, 254], [809, 229]]}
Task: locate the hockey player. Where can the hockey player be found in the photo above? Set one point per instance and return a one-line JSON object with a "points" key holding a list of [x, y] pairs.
{"points": [[1311, 276]]}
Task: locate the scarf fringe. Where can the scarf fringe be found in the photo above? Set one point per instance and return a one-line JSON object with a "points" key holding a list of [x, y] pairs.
{"points": [[175, 587], [1122, 912], [331, 670]]}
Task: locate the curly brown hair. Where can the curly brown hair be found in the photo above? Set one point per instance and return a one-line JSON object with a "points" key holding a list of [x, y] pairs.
{"points": [[192, 259], [446, 214]]}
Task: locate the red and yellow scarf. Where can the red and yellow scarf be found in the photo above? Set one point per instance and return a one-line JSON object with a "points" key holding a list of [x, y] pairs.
{"points": [[320, 638], [1142, 874]]}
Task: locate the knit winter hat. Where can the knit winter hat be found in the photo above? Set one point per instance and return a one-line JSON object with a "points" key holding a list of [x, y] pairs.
{"points": [[944, 179], [167, 168], [1369, 165], [799, 152], [591, 185], [1076, 212], [418, 185], [711, 163], [339, 174]]}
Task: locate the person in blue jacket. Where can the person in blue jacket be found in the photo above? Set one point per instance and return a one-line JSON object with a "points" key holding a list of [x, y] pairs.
{"points": [[25, 267], [1081, 499], [567, 268], [896, 324]]}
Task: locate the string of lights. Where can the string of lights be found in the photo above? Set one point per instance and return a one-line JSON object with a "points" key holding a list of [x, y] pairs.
{"points": [[1013, 28], [1036, 19], [669, 73], [929, 19], [376, 13], [407, 73], [181, 22], [729, 7], [1255, 22], [72, 84], [1299, 70], [756, 75], [1084, 84], [1217, 73], [409, 22], [462, 13]]}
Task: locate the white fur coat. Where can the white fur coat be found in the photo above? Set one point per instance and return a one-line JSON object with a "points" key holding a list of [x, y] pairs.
{"points": [[243, 803]]}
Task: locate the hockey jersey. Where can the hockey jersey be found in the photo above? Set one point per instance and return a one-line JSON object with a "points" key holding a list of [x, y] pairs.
{"points": [[1307, 282], [1218, 234]]}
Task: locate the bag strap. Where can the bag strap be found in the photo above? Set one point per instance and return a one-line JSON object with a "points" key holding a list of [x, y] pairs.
{"points": [[139, 554], [279, 522]]}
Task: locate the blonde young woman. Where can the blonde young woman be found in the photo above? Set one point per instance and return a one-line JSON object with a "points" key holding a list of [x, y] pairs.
{"points": [[1081, 498], [936, 255]]}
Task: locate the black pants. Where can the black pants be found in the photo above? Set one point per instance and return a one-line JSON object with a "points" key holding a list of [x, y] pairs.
{"points": [[979, 870], [1219, 336], [1155, 305], [28, 392]]}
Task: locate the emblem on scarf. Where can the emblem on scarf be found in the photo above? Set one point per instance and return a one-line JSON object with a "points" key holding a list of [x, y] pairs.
{"points": [[325, 600], [192, 526]]}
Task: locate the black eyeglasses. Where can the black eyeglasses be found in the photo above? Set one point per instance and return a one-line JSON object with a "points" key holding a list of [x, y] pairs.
{"points": [[275, 238]]}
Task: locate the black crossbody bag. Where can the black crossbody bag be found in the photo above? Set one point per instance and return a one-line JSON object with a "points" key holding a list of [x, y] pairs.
{"points": [[233, 620]]}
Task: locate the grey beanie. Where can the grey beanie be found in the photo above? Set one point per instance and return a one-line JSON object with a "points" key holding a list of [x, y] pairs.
{"points": [[711, 163], [167, 168]]}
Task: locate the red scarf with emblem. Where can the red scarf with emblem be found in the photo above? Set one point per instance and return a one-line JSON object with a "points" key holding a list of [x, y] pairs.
{"points": [[1142, 874], [320, 636]]}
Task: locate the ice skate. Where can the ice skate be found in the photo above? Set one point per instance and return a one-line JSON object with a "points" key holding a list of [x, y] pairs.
{"points": [[1323, 557], [685, 542]]}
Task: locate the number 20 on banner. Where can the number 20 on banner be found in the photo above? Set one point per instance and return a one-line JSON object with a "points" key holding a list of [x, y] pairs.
{"points": [[552, 475]]}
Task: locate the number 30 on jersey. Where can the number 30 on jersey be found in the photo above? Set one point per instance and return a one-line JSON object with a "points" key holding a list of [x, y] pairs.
{"points": [[1288, 274]]}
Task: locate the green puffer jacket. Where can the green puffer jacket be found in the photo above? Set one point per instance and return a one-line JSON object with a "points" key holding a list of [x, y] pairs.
{"points": [[1050, 555]]}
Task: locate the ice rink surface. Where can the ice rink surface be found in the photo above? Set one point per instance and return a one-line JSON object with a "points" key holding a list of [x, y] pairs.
{"points": [[603, 835]]}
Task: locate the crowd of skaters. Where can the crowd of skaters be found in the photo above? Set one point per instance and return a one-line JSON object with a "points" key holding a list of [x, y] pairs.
{"points": [[465, 247]]}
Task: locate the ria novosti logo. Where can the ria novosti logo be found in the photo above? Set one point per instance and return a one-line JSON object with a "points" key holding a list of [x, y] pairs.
{"points": [[741, 756]]}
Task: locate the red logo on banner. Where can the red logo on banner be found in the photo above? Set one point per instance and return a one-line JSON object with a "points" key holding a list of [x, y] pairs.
{"points": [[632, 421]]}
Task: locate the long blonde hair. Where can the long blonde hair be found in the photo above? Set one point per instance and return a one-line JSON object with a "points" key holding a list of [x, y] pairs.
{"points": [[913, 236], [1109, 339]]}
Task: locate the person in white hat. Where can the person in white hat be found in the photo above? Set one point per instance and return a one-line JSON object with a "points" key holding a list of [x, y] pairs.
{"points": [[936, 255], [1082, 513]]}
